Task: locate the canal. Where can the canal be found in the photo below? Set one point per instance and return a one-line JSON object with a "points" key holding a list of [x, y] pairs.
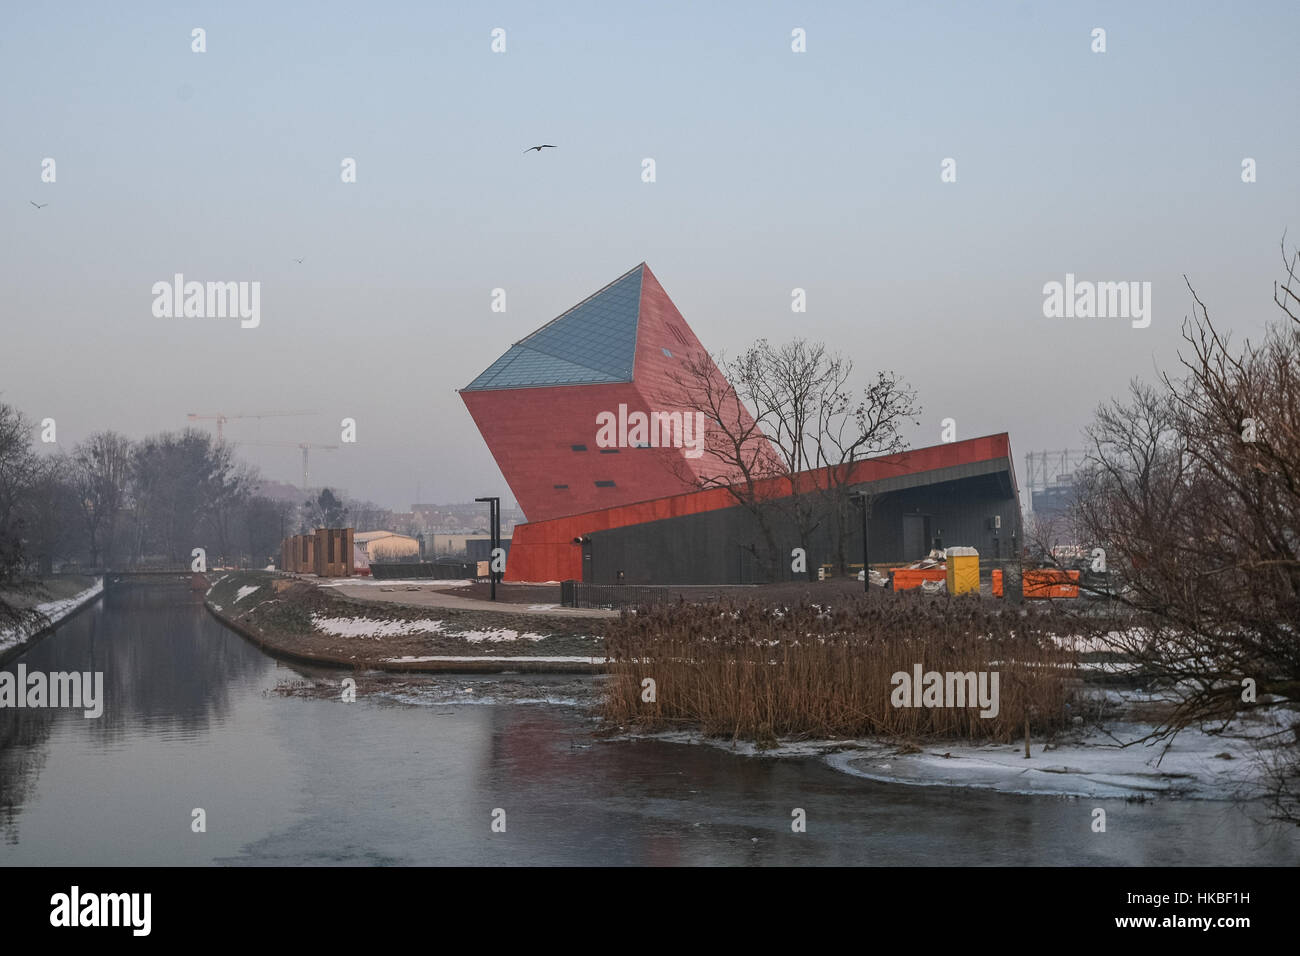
{"points": [[193, 719]]}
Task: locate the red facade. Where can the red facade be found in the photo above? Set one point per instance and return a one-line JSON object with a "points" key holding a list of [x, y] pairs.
{"points": [[544, 438]]}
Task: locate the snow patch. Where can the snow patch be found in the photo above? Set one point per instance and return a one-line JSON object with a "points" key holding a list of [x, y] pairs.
{"points": [[54, 612], [492, 637], [369, 627], [479, 657]]}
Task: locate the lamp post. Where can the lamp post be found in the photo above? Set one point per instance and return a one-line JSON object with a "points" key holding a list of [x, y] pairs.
{"points": [[863, 501], [494, 515]]}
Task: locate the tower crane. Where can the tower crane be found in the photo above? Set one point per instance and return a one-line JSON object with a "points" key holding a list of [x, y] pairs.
{"points": [[306, 447], [221, 417]]}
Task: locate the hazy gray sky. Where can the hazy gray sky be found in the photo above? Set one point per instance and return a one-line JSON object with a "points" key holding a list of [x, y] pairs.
{"points": [[775, 170]]}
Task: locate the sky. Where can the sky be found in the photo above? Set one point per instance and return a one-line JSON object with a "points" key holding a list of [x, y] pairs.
{"points": [[774, 170]]}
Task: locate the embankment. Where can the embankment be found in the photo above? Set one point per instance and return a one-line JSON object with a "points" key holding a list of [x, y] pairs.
{"points": [[292, 618], [66, 595]]}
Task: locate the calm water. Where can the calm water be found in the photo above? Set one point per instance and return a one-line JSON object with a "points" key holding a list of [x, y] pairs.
{"points": [[191, 720]]}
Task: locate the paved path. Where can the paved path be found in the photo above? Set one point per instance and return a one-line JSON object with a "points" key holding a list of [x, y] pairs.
{"points": [[431, 595]]}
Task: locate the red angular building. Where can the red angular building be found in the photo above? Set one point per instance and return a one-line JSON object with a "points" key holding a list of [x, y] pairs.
{"points": [[540, 406]]}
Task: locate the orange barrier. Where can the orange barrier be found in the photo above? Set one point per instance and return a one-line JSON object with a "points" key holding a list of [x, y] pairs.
{"points": [[997, 582], [1051, 583], [907, 578]]}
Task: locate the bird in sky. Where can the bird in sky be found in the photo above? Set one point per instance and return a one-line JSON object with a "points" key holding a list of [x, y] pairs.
{"points": [[38, 205], [539, 148], [299, 261]]}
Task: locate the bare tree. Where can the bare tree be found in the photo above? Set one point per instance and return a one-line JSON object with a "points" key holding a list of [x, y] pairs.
{"points": [[1193, 489], [736, 454], [17, 467], [785, 440], [186, 490], [51, 512], [323, 511], [100, 472]]}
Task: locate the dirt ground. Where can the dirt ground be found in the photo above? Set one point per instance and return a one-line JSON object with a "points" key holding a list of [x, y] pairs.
{"points": [[285, 615], [511, 593]]}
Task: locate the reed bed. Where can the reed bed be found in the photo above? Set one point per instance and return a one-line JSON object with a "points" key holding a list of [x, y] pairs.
{"points": [[755, 672]]}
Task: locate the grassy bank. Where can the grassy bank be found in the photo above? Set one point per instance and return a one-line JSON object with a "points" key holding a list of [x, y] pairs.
{"points": [[57, 588], [759, 672], [40, 611], [296, 619]]}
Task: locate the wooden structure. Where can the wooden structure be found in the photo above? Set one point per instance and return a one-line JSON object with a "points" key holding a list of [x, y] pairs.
{"points": [[333, 552], [326, 552], [298, 554]]}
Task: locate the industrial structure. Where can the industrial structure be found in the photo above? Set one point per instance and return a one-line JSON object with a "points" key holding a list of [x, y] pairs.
{"points": [[1051, 478]]}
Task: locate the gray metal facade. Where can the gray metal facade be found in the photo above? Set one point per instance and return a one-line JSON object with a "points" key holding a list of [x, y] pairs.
{"points": [[971, 505]]}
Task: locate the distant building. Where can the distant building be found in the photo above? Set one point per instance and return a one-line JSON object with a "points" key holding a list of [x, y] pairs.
{"points": [[1052, 478], [380, 546], [440, 545], [1052, 501]]}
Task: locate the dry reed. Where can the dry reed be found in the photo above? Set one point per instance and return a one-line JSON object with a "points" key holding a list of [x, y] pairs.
{"points": [[759, 673]]}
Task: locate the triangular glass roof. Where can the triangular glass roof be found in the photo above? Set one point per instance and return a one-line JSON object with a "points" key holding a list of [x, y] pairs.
{"points": [[592, 343]]}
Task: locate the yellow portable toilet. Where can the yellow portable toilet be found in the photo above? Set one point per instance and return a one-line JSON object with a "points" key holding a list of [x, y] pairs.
{"points": [[963, 570]]}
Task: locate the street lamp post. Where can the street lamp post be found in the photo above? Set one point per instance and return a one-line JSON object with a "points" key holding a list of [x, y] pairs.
{"points": [[494, 515]]}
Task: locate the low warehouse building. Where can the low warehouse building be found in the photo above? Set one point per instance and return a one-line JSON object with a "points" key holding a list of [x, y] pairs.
{"points": [[381, 546]]}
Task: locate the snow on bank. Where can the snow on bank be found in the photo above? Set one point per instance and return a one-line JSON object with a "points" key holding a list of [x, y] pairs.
{"points": [[492, 657], [54, 612], [1094, 764], [245, 591], [498, 635], [1197, 765], [497, 695], [369, 627]]}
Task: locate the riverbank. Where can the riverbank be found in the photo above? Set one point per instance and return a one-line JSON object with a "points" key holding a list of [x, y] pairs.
{"points": [[312, 622], [66, 595], [1102, 760], [1107, 761]]}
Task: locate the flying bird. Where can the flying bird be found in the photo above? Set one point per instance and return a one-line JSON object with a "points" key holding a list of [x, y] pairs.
{"points": [[539, 148], [38, 205]]}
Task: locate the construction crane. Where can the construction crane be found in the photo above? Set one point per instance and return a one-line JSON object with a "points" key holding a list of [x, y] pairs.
{"points": [[306, 447], [221, 418]]}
